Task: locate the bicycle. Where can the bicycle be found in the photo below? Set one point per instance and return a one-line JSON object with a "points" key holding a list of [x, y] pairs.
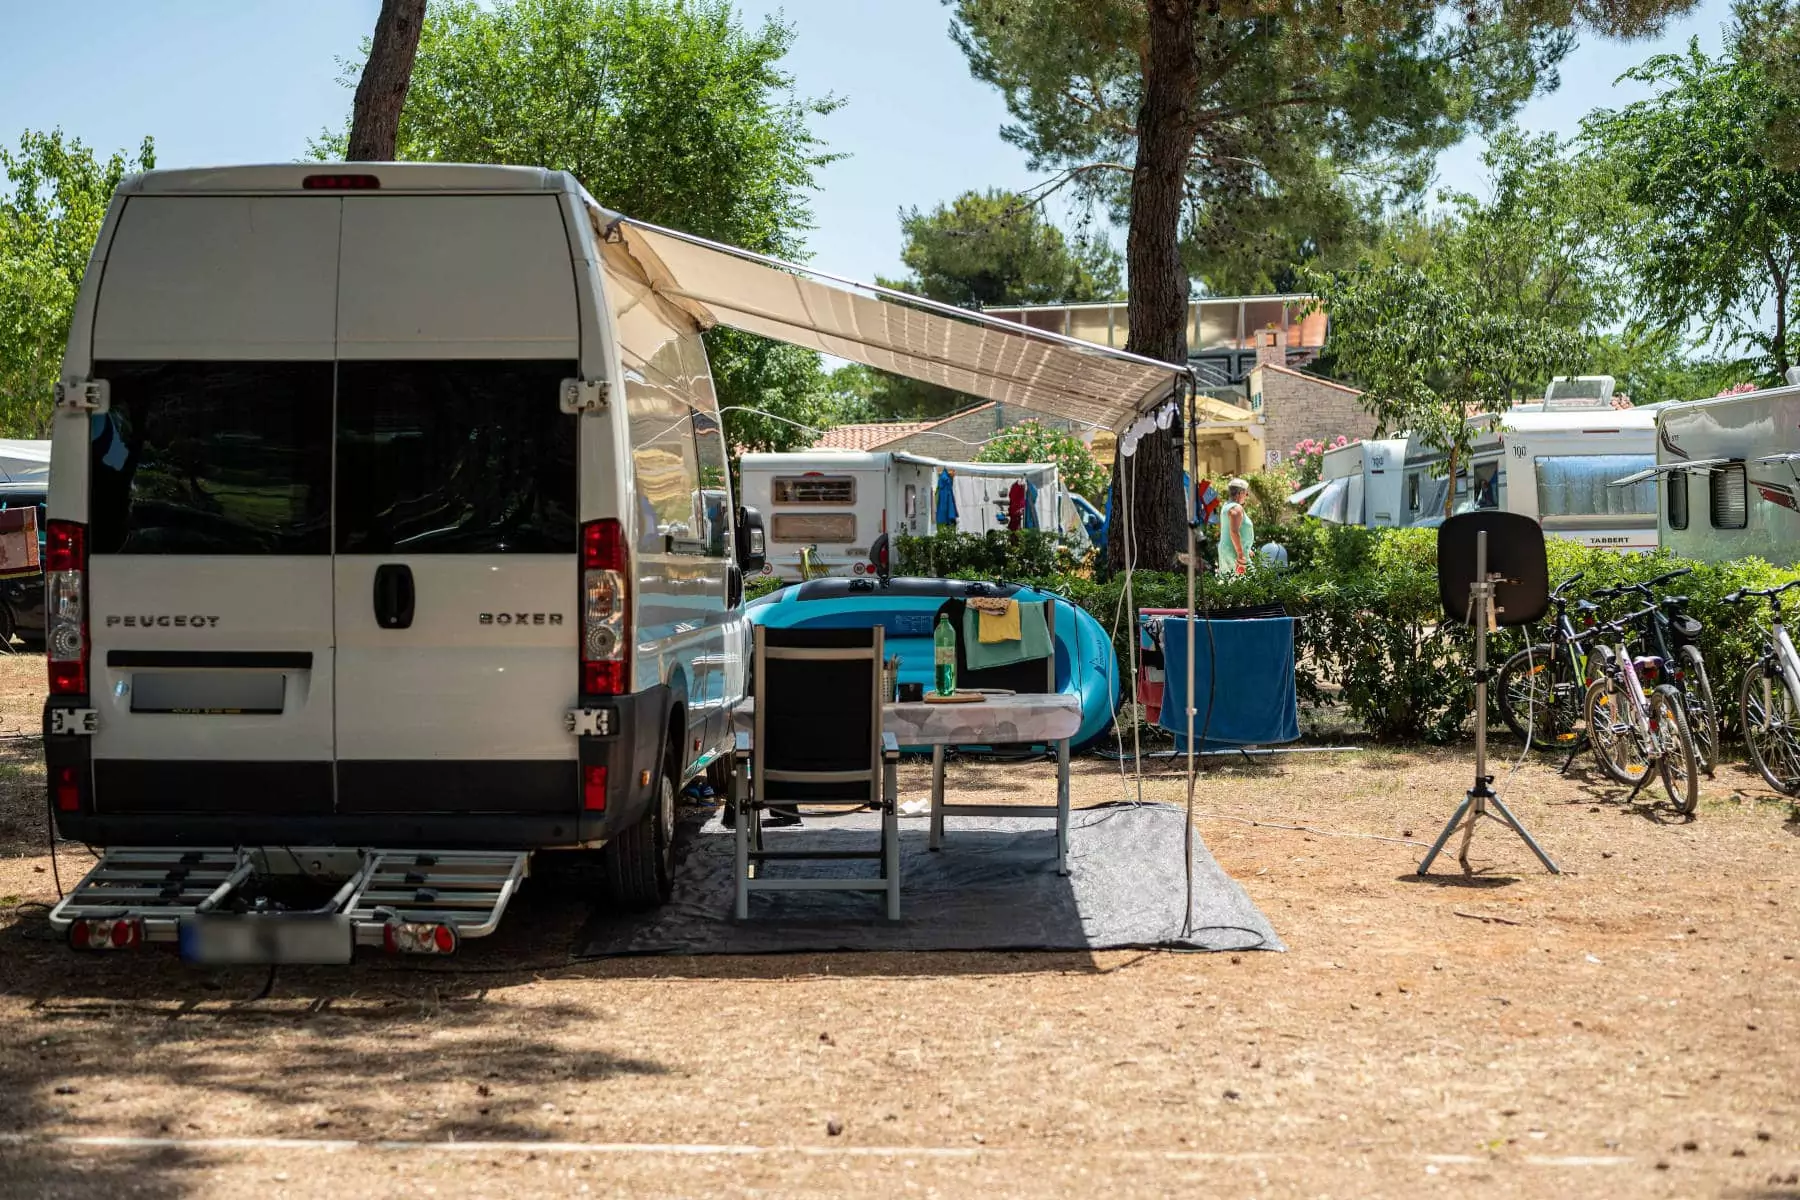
{"points": [[1637, 731], [1541, 689], [1769, 698], [1673, 634]]}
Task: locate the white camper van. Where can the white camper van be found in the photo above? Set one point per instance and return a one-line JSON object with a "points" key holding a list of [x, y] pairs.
{"points": [[388, 509], [1553, 461], [1729, 473], [835, 504]]}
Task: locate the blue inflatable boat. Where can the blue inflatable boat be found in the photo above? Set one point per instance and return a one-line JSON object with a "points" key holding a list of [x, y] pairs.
{"points": [[907, 610]]}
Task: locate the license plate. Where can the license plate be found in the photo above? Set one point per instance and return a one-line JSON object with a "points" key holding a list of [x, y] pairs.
{"points": [[226, 939]]}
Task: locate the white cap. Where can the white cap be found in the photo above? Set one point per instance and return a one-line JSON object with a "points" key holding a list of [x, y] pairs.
{"points": [[1237, 485]]}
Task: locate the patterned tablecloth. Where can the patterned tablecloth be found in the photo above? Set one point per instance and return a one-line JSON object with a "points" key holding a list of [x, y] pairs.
{"points": [[996, 720]]}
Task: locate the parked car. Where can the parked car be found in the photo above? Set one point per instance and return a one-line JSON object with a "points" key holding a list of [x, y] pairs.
{"points": [[22, 596], [377, 520]]}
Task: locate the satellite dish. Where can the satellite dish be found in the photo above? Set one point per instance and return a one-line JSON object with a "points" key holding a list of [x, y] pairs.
{"points": [[1515, 555]]}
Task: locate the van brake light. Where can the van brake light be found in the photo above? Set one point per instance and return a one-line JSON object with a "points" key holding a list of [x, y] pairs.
{"points": [[341, 183], [65, 607], [605, 608]]}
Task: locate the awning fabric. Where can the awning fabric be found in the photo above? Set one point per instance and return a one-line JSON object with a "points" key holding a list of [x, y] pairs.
{"points": [[892, 331]]}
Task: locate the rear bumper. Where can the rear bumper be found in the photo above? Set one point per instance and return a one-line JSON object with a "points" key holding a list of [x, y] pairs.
{"points": [[426, 804]]}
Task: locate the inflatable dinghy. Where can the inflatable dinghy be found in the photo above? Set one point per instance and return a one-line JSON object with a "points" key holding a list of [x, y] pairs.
{"points": [[907, 610]]}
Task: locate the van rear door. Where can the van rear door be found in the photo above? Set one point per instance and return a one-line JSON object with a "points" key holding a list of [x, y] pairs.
{"points": [[208, 505], [457, 507]]}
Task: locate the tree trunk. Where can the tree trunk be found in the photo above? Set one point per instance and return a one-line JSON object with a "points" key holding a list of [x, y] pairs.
{"points": [[375, 115], [1158, 303]]}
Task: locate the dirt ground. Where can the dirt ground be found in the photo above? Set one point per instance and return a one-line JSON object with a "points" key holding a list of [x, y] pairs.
{"points": [[1630, 1028]]}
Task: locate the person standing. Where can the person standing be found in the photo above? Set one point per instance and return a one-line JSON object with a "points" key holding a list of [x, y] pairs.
{"points": [[1237, 533]]}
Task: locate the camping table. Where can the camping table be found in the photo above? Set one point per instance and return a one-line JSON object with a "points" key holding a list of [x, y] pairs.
{"points": [[997, 721]]}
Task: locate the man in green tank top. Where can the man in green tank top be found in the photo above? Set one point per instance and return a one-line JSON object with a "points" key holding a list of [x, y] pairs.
{"points": [[1237, 534]]}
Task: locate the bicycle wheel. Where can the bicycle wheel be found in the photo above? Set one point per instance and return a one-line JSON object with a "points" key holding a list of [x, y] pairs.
{"points": [[1771, 727], [1616, 746], [1676, 759], [1538, 695], [1702, 712]]}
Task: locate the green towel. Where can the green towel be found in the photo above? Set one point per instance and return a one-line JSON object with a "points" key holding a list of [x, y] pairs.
{"points": [[1034, 639]]}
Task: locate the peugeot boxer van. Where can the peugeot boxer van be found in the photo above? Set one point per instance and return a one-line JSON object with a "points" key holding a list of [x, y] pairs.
{"points": [[386, 511]]}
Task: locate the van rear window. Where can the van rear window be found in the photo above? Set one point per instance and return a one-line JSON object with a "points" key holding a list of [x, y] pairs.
{"points": [[455, 457], [212, 458]]}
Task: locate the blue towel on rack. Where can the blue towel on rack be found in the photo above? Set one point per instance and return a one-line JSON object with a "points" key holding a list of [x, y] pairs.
{"points": [[1245, 669]]}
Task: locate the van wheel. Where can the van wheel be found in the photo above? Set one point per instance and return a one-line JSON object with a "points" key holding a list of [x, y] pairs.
{"points": [[640, 861]]}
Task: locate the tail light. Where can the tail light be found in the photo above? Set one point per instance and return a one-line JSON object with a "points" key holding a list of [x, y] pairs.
{"points": [[67, 788], [107, 933], [605, 609], [65, 607], [593, 788], [418, 937], [341, 183]]}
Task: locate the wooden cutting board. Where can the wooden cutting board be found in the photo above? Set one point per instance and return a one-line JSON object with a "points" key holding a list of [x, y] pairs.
{"points": [[954, 698]]}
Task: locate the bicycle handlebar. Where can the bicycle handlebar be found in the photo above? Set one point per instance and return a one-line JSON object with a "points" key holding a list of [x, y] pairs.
{"points": [[1745, 593], [1566, 584]]}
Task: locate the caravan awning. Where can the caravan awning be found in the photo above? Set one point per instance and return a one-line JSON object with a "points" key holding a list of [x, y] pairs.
{"points": [[1697, 464], [889, 330]]}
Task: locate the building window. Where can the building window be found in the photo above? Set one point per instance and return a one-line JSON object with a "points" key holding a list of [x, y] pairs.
{"points": [[1730, 506]]}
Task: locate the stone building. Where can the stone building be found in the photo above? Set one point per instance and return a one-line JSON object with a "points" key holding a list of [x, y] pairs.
{"points": [[1291, 405]]}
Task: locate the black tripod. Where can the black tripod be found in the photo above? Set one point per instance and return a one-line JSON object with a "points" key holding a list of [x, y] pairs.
{"points": [[1482, 800]]}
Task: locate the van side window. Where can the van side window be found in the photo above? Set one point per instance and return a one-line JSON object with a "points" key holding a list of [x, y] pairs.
{"points": [[715, 486], [455, 457], [1677, 484], [1730, 500], [663, 402], [212, 458]]}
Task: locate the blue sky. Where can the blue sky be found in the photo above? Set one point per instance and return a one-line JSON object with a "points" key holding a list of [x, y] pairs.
{"points": [[220, 81]]}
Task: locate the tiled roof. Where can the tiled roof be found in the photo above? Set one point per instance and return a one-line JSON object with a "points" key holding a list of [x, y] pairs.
{"points": [[869, 436]]}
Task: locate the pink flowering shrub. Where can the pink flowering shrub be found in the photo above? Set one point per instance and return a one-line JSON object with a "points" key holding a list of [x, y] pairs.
{"points": [[1309, 457]]}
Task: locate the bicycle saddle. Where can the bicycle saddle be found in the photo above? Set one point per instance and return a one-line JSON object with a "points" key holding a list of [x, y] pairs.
{"points": [[1674, 601], [1586, 606]]}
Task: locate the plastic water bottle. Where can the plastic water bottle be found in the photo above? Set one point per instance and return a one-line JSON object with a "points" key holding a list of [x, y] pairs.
{"points": [[943, 654]]}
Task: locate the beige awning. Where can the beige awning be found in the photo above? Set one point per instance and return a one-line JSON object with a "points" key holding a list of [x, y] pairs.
{"points": [[892, 331]]}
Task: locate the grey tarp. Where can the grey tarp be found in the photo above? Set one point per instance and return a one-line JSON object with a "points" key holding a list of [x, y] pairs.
{"points": [[994, 886]]}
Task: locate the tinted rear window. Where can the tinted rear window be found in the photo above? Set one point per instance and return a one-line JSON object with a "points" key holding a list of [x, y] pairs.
{"points": [[212, 458], [455, 457]]}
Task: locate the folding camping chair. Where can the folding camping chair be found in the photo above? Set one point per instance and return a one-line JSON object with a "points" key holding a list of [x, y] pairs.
{"points": [[818, 742]]}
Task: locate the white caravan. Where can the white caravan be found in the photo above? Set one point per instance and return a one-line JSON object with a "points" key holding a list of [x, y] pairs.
{"points": [[1553, 461], [389, 509], [1729, 473], [834, 504]]}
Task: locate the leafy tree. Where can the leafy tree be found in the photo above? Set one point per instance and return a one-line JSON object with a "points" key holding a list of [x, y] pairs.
{"points": [[1767, 33], [1194, 119], [1654, 365], [1718, 244], [1034, 442], [1428, 356], [669, 110], [994, 248], [50, 215], [1540, 245]]}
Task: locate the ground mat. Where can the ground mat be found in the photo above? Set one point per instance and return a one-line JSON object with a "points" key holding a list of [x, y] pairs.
{"points": [[993, 886]]}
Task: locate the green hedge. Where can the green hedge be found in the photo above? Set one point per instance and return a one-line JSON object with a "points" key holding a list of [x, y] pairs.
{"points": [[1370, 638]]}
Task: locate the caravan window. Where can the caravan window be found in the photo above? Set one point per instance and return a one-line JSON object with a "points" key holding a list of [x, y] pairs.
{"points": [[807, 528], [813, 489], [1677, 483], [1730, 505], [1580, 485]]}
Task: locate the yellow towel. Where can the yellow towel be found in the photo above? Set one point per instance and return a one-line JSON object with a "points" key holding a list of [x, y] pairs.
{"points": [[1000, 626]]}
